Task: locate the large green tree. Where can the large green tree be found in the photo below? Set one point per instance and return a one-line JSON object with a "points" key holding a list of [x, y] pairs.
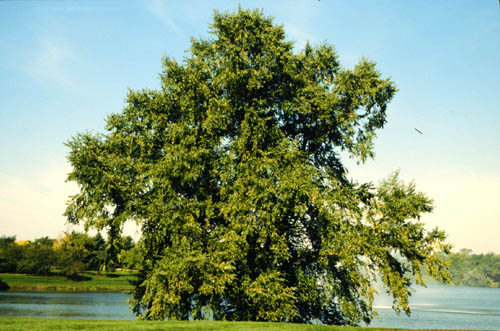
{"points": [[233, 171]]}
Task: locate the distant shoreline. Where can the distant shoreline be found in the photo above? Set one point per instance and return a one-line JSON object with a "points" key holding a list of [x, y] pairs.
{"points": [[88, 282]]}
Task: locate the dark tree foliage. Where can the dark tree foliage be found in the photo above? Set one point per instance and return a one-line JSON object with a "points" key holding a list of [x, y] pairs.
{"points": [[10, 254], [233, 171], [4, 286]]}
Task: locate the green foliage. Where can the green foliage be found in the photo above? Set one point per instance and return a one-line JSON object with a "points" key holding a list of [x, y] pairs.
{"points": [[79, 252], [74, 253], [132, 257], [10, 254], [39, 257], [232, 169], [481, 270]]}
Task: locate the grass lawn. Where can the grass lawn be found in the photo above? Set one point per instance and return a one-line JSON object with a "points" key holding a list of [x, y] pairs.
{"points": [[7, 323], [89, 281]]}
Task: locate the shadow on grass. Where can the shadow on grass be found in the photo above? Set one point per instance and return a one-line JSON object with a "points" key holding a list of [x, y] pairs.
{"points": [[4, 286], [79, 278]]}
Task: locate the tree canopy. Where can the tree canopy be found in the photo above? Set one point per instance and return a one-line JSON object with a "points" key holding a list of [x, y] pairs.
{"points": [[233, 171], [468, 269]]}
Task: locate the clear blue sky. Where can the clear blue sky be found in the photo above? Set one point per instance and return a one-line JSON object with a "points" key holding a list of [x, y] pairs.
{"points": [[65, 65]]}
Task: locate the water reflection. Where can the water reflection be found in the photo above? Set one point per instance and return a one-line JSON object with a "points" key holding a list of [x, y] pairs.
{"points": [[88, 305]]}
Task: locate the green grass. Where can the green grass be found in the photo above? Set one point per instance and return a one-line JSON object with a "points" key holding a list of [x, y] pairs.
{"points": [[39, 324], [90, 281]]}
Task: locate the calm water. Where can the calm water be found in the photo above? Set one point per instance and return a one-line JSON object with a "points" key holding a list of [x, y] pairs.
{"points": [[444, 307], [437, 307], [87, 305]]}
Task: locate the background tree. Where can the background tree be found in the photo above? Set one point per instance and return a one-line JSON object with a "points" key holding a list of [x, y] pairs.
{"points": [[79, 252], [233, 171], [96, 248], [71, 256], [10, 254], [468, 269], [39, 257], [131, 257]]}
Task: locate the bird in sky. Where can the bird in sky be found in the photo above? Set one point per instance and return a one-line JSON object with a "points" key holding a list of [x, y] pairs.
{"points": [[418, 131]]}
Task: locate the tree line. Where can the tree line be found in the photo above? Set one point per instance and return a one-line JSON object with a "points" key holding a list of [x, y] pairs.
{"points": [[74, 253], [468, 269]]}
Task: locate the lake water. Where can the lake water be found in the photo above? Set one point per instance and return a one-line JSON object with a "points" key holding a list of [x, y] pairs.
{"points": [[436, 307], [77, 305], [444, 307]]}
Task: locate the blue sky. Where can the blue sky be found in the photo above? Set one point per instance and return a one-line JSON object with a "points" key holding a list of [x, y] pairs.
{"points": [[65, 65]]}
